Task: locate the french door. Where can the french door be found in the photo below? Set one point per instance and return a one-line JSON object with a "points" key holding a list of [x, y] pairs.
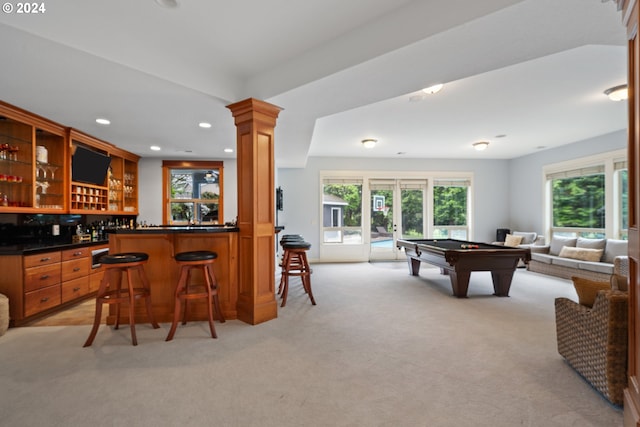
{"points": [[398, 210]]}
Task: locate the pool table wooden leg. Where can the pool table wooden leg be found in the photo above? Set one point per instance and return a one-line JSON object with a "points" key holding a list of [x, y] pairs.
{"points": [[414, 265], [502, 282], [459, 282]]}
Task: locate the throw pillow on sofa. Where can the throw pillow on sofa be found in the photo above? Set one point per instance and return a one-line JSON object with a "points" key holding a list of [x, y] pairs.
{"points": [[587, 290], [528, 237], [557, 243], [512, 240], [582, 254]]}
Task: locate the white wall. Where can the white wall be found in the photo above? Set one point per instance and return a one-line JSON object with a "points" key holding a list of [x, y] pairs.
{"points": [[150, 199]]}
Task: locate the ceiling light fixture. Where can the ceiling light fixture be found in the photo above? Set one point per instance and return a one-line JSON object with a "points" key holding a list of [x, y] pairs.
{"points": [[433, 89], [617, 93], [204, 125], [480, 145], [369, 143], [154, 148], [169, 4], [103, 121], [228, 150]]}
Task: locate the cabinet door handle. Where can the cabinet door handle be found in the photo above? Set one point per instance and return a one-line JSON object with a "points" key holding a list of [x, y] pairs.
{"points": [[44, 299], [45, 259], [76, 269], [44, 277], [77, 253], [76, 289]]}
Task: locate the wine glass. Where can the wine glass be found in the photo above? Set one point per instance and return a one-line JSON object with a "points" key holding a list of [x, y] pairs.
{"points": [[52, 170]]}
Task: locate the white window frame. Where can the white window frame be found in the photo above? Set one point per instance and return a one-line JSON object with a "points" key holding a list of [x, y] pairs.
{"points": [[608, 162]]}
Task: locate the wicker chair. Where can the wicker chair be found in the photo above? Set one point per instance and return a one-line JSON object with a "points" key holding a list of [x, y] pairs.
{"points": [[594, 340]]}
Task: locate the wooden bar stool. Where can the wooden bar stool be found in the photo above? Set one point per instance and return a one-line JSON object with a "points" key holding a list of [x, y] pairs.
{"points": [[287, 238], [111, 290], [185, 291], [295, 264]]}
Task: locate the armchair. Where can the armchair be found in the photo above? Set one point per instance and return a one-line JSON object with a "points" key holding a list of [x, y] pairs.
{"points": [[593, 340]]}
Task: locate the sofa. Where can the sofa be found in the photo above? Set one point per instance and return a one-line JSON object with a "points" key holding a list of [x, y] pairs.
{"points": [[567, 257], [592, 333], [522, 239]]}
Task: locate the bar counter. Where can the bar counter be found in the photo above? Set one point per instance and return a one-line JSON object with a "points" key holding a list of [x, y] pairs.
{"points": [[161, 244]]}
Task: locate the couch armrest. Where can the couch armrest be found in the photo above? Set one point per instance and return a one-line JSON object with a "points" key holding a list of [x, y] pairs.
{"points": [[621, 265], [594, 340]]}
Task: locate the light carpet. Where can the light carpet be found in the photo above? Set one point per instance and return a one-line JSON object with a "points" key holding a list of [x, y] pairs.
{"points": [[381, 348]]}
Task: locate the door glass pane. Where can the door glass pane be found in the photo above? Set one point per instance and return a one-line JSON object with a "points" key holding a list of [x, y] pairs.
{"points": [[412, 213], [381, 218]]}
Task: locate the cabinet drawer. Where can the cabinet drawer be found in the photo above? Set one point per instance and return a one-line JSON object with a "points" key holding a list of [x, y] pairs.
{"points": [[70, 254], [41, 259], [41, 277], [76, 268], [42, 299], [75, 288]]}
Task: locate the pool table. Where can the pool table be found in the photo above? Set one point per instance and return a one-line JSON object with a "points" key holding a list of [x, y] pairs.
{"points": [[458, 258]]}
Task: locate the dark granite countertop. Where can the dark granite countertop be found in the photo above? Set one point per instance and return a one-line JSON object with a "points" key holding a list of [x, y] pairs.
{"points": [[36, 248], [174, 229]]}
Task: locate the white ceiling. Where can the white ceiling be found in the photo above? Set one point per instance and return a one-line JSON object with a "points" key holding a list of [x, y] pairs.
{"points": [[342, 71]]}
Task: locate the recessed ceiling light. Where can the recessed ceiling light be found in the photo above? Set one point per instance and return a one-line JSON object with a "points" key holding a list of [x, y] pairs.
{"points": [[169, 4], [228, 150], [155, 148], [433, 89], [204, 125], [103, 121]]}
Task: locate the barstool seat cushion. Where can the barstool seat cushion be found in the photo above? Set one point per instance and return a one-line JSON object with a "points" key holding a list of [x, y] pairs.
{"points": [[296, 245], [124, 257], [196, 256], [292, 236]]}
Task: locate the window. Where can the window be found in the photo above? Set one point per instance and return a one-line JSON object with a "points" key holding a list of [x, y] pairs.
{"points": [[193, 192], [450, 209], [578, 201], [342, 211], [588, 197], [622, 190]]}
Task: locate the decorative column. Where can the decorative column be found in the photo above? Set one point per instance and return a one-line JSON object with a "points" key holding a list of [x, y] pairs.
{"points": [[255, 121]]}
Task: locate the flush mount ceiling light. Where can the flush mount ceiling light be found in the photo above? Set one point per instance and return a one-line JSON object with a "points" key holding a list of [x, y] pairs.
{"points": [[480, 145], [154, 148], [204, 125], [617, 93], [369, 143], [433, 89], [169, 4], [103, 121], [228, 150]]}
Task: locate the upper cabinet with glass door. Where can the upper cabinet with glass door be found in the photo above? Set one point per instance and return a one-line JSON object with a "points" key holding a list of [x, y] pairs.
{"points": [[32, 162]]}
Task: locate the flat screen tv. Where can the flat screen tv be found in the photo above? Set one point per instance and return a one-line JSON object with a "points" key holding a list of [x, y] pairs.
{"points": [[89, 166]]}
